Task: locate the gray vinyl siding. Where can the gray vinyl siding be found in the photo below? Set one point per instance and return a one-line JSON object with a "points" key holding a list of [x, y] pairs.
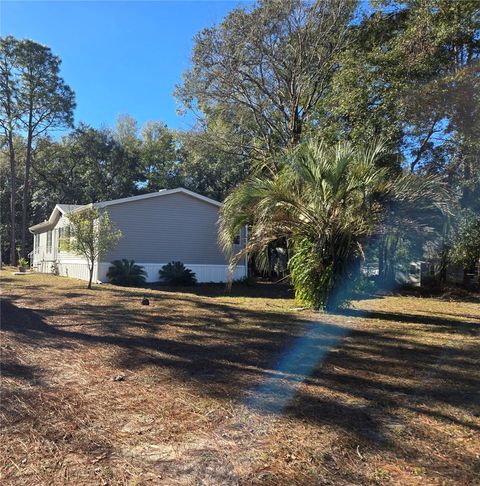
{"points": [[166, 228]]}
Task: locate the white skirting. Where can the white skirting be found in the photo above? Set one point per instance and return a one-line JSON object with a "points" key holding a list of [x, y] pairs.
{"points": [[78, 268], [204, 273], [74, 268]]}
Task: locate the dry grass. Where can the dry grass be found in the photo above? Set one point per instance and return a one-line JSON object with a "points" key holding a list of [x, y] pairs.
{"points": [[239, 389]]}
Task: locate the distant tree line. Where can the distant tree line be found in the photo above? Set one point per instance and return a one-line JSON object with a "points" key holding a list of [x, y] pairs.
{"points": [[270, 77]]}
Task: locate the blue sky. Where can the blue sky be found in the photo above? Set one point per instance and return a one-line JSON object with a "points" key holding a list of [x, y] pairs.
{"points": [[118, 57]]}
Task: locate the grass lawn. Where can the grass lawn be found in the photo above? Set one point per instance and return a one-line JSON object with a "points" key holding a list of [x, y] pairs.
{"points": [[203, 388]]}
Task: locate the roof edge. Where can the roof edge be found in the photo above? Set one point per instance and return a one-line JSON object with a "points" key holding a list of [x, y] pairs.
{"points": [[165, 192], [47, 223]]}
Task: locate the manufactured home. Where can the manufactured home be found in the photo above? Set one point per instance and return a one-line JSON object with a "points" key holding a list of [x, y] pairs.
{"points": [[157, 228]]}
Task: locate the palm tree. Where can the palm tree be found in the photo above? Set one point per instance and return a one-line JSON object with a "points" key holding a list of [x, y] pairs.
{"points": [[326, 202], [126, 272]]}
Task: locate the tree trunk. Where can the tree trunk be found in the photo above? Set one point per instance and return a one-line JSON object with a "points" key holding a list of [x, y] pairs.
{"points": [[295, 128], [442, 272], [345, 276], [383, 263], [467, 271], [26, 188], [13, 190], [386, 263], [10, 120], [381, 260], [90, 269], [389, 280]]}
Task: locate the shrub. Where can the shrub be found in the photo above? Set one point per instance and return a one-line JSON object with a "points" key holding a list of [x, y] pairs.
{"points": [[22, 262], [465, 249], [365, 285], [175, 273], [126, 272]]}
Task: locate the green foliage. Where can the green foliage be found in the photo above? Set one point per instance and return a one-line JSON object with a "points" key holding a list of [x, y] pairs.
{"points": [[365, 285], [127, 273], [175, 273], [23, 262], [88, 165], [326, 201], [158, 157], [311, 276], [259, 74], [204, 168], [268, 76], [465, 245], [92, 234], [411, 75], [33, 100]]}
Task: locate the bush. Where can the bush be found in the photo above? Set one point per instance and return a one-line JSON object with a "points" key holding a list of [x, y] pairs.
{"points": [[22, 262], [127, 273], [175, 273], [465, 245], [365, 285]]}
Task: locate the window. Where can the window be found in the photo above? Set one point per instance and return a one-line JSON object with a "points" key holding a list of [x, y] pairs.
{"points": [[49, 241], [64, 238], [236, 240], [36, 243]]}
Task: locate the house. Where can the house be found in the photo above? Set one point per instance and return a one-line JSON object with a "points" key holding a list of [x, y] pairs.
{"points": [[157, 228]]}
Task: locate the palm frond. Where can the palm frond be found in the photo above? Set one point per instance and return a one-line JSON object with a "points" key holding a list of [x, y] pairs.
{"points": [[326, 201]]}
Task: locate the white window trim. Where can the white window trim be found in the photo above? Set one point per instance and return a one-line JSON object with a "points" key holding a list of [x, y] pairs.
{"points": [[49, 245]]}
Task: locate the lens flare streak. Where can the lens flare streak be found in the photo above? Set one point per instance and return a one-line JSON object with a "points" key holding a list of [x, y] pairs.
{"points": [[296, 365]]}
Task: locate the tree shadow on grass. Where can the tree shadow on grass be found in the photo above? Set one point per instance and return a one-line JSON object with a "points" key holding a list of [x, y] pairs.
{"points": [[12, 369], [261, 358], [266, 290], [450, 324]]}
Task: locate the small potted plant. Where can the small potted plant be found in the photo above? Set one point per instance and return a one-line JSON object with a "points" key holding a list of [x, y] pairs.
{"points": [[22, 264]]}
